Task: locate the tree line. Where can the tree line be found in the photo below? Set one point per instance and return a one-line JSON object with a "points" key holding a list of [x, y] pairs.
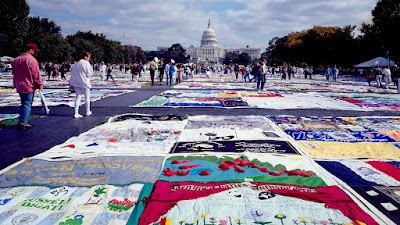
{"points": [[322, 46], [317, 46]]}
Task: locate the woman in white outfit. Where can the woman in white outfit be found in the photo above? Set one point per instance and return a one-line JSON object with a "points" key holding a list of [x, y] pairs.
{"points": [[103, 71], [80, 81], [386, 76]]}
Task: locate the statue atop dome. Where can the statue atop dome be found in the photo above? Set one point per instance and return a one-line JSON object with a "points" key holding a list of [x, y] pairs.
{"points": [[209, 38]]}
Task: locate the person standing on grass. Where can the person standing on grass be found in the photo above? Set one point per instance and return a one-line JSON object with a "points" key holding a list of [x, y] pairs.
{"points": [[80, 81], [26, 80]]}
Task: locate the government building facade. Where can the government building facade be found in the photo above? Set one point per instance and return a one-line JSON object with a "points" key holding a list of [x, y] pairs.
{"points": [[210, 53]]}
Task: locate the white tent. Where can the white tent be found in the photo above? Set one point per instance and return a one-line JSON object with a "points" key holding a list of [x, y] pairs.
{"points": [[382, 62], [6, 59]]}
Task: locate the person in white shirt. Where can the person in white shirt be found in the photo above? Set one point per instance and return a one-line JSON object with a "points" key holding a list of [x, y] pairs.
{"points": [[386, 76], [80, 81], [103, 70]]}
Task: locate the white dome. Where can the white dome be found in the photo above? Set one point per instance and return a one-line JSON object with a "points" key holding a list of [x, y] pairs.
{"points": [[209, 37]]}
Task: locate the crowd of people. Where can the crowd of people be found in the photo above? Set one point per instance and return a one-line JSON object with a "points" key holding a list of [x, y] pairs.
{"points": [[27, 76]]}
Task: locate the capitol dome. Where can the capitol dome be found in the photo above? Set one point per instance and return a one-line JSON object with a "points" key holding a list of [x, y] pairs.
{"points": [[209, 37]]}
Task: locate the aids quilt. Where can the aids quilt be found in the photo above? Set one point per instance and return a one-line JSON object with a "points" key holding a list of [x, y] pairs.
{"points": [[376, 181], [232, 134], [54, 97], [102, 204], [343, 137], [123, 135], [249, 167], [87, 172], [249, 203]]}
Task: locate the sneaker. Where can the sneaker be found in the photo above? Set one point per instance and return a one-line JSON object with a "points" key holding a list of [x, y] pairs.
{"points": [[78, 116], [89, 113], [24, 127]]}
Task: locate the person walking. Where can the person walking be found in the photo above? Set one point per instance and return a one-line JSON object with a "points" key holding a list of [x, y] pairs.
{"points": [[396, 76], [109, 73], [260, 76], [62, 71], [179, 74], [378, 76], [328, 72], [236, 69], [171, 72], [80, 81], [335, 73], [386, 76], [135, 72], [152, 68], [26, 80], [161, 71], [369, 76], [103, 71]]}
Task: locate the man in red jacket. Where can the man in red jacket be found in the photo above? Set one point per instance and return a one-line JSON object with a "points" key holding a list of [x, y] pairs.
{"points": [[26, 80]]}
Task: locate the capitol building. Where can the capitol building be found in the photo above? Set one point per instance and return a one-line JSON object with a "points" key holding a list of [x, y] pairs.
{"points": [[210, 52]]}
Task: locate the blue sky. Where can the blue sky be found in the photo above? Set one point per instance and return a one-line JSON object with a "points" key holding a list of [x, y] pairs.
{"points": [[237, 23]]}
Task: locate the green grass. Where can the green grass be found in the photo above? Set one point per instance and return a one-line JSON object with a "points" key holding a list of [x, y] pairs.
{"points": [[12, 122]]}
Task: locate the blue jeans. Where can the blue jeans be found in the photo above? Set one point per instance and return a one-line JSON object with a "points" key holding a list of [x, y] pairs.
{"points": [[25, 108], [260, 80]]}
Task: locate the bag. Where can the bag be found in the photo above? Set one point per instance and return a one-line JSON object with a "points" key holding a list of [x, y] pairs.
{"points": [[44, 103], [369, 77]]}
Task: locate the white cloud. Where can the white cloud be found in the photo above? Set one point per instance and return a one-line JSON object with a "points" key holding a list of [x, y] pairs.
{"points": [[155, 23]]}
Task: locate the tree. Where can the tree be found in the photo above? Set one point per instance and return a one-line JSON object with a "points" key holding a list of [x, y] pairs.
{"points": [[177, 53], [386, 20], [14, 23], [230, 57], [46, 34], [243, 59]]}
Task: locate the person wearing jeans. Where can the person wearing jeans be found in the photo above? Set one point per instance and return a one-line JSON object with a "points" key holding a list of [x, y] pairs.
{"points": [[26, 80], [80, 80]]}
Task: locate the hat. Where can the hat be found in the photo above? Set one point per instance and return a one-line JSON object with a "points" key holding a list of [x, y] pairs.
{"points": [[33, 46]]}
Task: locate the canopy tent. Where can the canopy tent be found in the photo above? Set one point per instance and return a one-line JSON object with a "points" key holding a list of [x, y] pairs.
{"points": [[383, 62], [6, 59]]}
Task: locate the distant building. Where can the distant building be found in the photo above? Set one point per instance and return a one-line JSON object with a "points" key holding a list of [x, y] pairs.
{"points": [[210, 52]]}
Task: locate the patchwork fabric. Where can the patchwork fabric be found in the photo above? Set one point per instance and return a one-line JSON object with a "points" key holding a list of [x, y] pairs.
{"points": [[326, 149], [102, 170], [385, 199], [8, 116], [248, 203], [141, 135], [56, 97], [377, 182], [251, 167], [104, 204], [255, 146], [340, 136], [359, 173]]}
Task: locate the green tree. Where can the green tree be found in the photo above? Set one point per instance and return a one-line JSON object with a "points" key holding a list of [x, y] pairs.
{"points": [[386, 21], [230, 57], [46, 34], [243, 59], [177, 53], [14, 23]]}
